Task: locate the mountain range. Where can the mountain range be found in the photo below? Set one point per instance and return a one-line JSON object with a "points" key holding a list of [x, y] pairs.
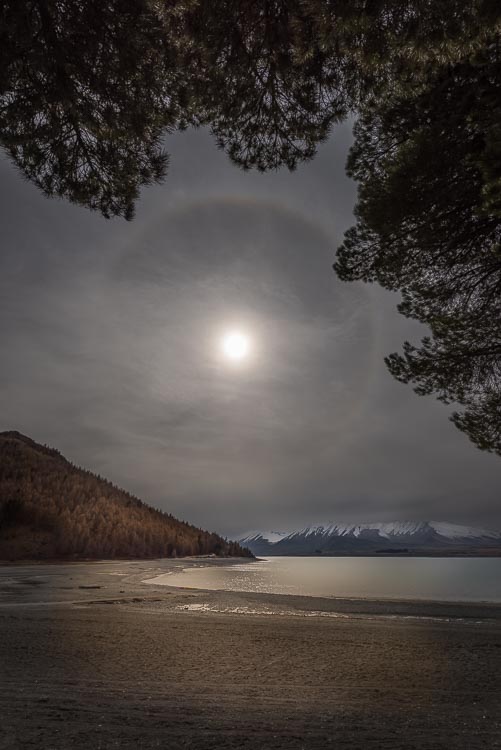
{"points": [[51, 509], [400, 537]]}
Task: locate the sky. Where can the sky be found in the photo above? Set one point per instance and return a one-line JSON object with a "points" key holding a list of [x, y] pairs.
{"points": [[111, 336]]}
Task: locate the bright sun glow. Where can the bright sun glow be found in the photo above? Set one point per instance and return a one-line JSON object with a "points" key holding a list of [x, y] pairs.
{"points": [[235, 345]]}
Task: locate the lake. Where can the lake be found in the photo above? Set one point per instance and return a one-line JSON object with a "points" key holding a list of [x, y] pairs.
{"points": [[441, 579]]}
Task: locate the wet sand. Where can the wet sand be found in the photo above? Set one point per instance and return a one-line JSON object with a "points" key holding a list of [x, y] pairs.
{"points": [[91, 657]]}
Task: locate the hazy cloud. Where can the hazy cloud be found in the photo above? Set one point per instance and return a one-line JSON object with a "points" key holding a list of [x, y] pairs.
{"points": [[110, 335]]}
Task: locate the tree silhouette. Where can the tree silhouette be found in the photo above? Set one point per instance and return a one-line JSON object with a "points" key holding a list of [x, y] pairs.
{"points": [[86, 91], [89, 88], [268, 91], [428, 226]]}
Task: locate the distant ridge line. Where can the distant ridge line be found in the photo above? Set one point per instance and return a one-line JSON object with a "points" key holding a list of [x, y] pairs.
{"points": [[405, 537]]}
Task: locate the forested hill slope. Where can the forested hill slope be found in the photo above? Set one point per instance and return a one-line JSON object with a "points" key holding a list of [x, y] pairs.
{"points": [[50, 508]]}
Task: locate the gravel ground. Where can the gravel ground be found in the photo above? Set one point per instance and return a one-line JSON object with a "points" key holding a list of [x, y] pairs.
{"points": [[90, 657]]}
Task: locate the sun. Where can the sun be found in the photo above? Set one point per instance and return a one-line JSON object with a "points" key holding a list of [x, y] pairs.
{"points": [[236, 346]]}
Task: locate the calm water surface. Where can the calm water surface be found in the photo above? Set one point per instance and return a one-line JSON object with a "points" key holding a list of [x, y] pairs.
{"points": [[443, 579]]}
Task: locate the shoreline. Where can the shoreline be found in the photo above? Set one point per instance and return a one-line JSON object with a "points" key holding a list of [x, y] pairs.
{"points": [[132, 584], [434, 555], [94, 659]]}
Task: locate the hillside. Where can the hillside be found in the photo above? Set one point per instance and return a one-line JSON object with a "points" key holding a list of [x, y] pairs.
{"points": [[401, 538], [50, 508]]}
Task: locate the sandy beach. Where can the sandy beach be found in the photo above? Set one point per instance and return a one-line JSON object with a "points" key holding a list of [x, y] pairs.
{"points": [[92, 657]]}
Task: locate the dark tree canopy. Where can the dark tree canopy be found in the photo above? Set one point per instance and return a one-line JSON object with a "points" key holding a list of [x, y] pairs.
{"points": [[429, 227], [89, 89], [269, 92]]}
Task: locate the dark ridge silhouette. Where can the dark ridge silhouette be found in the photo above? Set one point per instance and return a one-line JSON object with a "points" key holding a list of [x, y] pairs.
{"points": [[51, 509]]}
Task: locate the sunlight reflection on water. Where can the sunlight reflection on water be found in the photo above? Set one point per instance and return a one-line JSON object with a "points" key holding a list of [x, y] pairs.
{"points": [[443, 579]]}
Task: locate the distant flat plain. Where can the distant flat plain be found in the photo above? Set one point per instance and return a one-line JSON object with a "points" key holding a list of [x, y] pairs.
{"points": [[91, 657]]}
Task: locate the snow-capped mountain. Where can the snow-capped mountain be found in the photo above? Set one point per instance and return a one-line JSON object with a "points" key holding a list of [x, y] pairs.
{"points": [[262, 542], [411, 537]]}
